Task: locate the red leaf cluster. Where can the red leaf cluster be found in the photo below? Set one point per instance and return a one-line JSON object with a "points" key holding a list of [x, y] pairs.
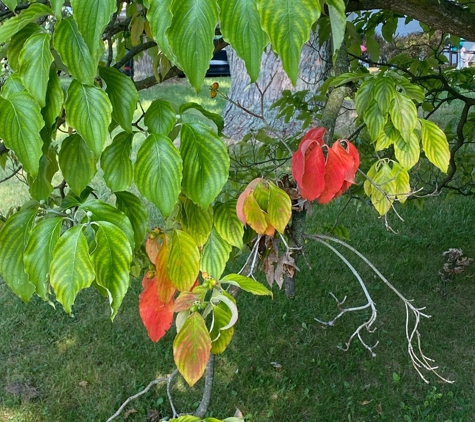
{"points": [[324, 177]]}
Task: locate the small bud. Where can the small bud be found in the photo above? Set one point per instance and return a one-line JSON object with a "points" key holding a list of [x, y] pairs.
{"points": [[89, 214], [42, 202], [68, 211]]}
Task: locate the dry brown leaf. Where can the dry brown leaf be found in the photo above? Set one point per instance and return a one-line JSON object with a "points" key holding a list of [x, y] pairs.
{"points": [[129, 412], [365, 402], [379, 409], [83, 383], [153, 415]]}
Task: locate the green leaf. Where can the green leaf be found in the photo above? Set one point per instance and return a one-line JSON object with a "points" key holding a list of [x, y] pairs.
{"points": [[92, 17], [247, 284], [88, 110], [374, 50], [241, 27], [116, 162], [383, 197], [77, 163], [54, 101], [40, 187], [73, 51], [191, 35], [160, 117], [364, 96], [160, 16], [403, 115], [184, 261], [39, 253], [71, 268], [15, 233], [279, 208], [17, 42], [254, 215], [105, 212], [158, 172], [11, 4], [57, 6], [112, 258], [215, 255], [137, 213], [389, 136], [407, 151], [122, 94], [11, 26], [12, 84], [288, 23], [384, 93], [214, 117], [191, 348], [20, 125], [196, 221], [435, 145], [205, 163], [227, 224], [34, 65], [374, 120], [336, 9], [221, 338]]}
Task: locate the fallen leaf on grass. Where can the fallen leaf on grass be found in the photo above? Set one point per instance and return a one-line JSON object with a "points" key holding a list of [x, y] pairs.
{"points": [[24, 390], [153, 415], [379, 409], [365, 402], [83, 383]]}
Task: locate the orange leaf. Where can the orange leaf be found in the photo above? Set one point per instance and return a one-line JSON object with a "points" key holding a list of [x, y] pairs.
{"points": [[240, 202], [152, 246], [185, 301], [156, 316], [334, 177], [192, 348], [165, 288]]}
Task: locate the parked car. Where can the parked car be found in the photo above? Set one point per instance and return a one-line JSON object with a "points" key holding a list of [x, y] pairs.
{"points": [[219, 65]]}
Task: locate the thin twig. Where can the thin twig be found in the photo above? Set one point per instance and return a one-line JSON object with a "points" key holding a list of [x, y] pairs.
{"points": [[145, 390], [169, 392], [11, 175]]}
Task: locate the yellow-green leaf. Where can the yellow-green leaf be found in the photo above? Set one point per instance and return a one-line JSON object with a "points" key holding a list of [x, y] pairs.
{"points": [[17, 42], [247, 284], [184, 261], [191, 348], [160, 16], [116, 162], [88, 110], [196, 221], [71, 268], [14, 237], [20, 125], [215, 255], [39, 253], [160, 117], [435, 145], [227, 224], [403, 115], [407, 151], [112, 258], [279, 208], [158, 172]]}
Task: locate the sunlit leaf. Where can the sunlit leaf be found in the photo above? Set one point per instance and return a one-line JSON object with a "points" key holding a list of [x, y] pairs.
{"points": [[227, 224], [435, 145], [247, 284], [407, 151], [280, 208], [215, 255], [221, 338], [165, 287], [337, 11], [403, 115], [160, 117]]}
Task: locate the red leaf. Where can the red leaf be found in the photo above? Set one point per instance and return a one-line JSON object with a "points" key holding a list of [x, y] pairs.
{"points": [[334, 177], [308, 169], [165, 288], [315, 134], [156, 316], [351, 160]]}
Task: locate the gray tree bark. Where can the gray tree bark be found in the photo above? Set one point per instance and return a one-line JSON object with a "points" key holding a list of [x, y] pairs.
{"points": [[315, 63]]}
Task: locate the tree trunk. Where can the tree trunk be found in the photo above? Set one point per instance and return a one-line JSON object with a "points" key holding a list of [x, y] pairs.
{"points": [[258, 97]]}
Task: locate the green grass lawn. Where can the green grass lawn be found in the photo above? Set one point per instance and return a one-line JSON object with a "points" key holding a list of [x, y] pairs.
{"points": [[83, 368]]}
